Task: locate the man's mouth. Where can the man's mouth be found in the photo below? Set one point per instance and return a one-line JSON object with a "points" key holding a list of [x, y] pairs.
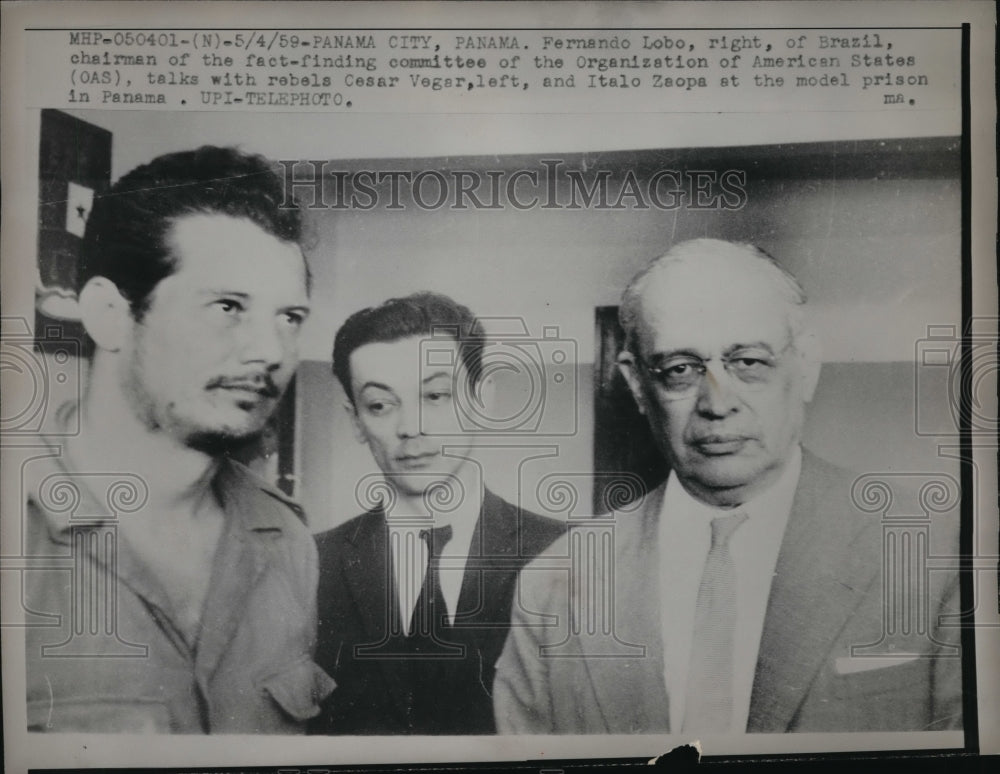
{"points": [[248, 391], [718, 445], [416, 461]]}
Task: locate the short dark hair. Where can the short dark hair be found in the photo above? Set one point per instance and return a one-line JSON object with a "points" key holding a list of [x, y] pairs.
{"points": [[419, 314], [127, 227]]}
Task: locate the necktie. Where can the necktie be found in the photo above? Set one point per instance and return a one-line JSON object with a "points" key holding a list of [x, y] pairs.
{"points": [[431, 607], [710, 677]]}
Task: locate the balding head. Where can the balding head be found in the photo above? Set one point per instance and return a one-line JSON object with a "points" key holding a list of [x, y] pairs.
{"points": [[705, 267], [719, 360]]}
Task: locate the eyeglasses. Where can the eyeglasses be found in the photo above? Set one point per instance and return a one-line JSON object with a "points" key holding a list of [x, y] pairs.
{"points": [[680, 376]]}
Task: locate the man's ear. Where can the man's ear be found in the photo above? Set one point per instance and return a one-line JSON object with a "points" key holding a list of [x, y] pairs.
{"points": [[627, 365], [105, 313], [352, 412], [810, 353]]}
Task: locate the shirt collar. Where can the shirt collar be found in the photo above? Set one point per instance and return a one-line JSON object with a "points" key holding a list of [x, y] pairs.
{"points": [[462, 519], [246, 497], [65, 499], [69, 499]]}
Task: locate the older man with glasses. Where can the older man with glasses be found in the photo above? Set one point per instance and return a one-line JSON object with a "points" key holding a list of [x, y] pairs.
{"points": [[748, 583]]}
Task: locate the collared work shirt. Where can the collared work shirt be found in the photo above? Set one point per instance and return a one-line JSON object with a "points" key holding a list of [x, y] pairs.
{"points": [[103, 651]]}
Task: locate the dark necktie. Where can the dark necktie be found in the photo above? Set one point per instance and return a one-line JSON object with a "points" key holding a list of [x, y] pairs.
{"points": [[709, 706], [431, 608]]}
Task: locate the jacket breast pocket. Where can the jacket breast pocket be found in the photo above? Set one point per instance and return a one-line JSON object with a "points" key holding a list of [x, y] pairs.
{"points": [[908, 676], [298, 688], [889, 698]]}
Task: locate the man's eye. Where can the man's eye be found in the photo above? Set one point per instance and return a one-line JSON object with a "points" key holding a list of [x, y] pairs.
{"points": [[679, 369], [751, 367], [294, 319], [228, 306], [751, 361]]}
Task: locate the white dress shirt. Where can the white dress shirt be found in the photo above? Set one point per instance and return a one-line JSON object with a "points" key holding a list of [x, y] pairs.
{"points": [[685, 536], [410, 555]]}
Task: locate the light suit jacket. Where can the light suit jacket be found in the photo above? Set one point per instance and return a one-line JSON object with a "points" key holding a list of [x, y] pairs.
{"points": [[827, 596]]}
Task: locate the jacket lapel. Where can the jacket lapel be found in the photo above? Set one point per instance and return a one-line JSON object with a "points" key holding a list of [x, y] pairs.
{"points": [[243, 563], [367, 571], [629, 683], [240, 561], [495, 536], [819, 581], [370, 582]]}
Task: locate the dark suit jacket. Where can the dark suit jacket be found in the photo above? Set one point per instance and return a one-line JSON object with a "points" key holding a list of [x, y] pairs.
{"points": [[827, 597], [375, 683]]}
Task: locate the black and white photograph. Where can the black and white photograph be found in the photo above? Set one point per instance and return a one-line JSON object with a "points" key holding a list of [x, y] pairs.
{"points": [[430, 390]]}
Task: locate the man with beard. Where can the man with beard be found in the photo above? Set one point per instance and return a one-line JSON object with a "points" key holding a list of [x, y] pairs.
{"points": [[193, 611]]}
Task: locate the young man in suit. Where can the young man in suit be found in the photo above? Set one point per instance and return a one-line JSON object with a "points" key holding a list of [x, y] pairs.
{"points": [[750, 584], [415, 595]]}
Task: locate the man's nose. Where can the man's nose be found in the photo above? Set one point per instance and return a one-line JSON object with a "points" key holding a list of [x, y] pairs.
{"points": [[716, 393], [264, 343], [407, 422]]}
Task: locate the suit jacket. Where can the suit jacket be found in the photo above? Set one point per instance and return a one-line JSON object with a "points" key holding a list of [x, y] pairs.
{"points": [[378, 687], [827, 596]]}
